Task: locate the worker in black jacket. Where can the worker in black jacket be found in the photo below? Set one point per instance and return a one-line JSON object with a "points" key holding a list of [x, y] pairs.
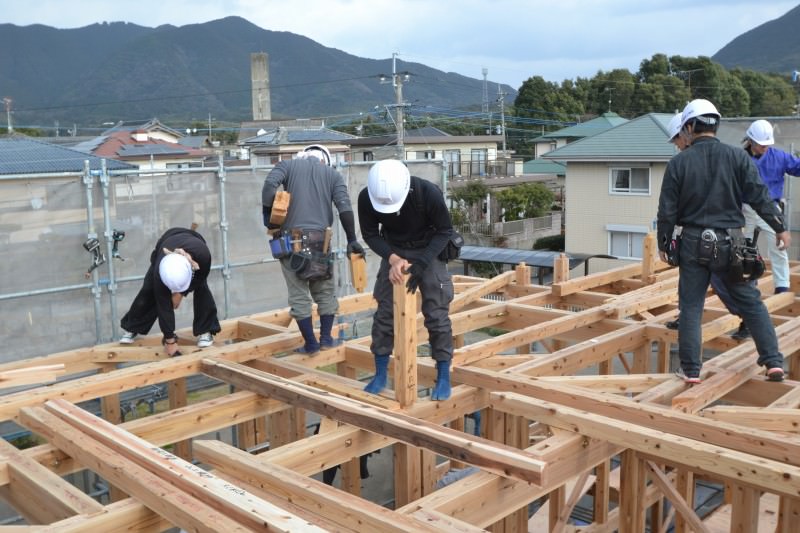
{"points": [[703, 190], [405, 220], [179, 265]]}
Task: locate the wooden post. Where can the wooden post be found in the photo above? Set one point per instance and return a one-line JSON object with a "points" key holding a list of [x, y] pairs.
{"points": [[632, 501], [601, 492], [405, 345], [649, 256], [561, 269], [744, 508], [789, 515], [684, 482], [177, 399], [109, 406], [523, 274]]}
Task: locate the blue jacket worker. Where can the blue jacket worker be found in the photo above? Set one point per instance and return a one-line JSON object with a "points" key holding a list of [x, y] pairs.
{"points": [[772, 164], [405, 220], [179, 265]]}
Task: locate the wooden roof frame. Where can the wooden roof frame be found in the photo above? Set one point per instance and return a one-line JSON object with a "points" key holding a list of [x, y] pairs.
{"points": [[547, 431]]}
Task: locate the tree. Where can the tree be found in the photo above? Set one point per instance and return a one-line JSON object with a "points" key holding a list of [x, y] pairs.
{"points": [[526, 200], [770, 94], [469, 199]]}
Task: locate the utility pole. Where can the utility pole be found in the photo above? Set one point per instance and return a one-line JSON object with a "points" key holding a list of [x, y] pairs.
{"points": [[485, 101], [501, 101], [209, 127], [398, 78], [7, 103]]}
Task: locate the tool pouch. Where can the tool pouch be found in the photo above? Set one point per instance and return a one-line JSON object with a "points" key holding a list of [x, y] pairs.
{"points": [[714, 250], [317, 266], [280, 246]]}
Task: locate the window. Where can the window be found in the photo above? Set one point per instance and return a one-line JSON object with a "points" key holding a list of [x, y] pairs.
{"points": [[478, 158], [453, 160], [626, 241], [630, 180], [369, 156], [426, 154]]}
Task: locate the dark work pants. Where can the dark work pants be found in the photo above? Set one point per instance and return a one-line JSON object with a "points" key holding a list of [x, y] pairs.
{"points": [[143, 313], [692, 286], [437, 293]]}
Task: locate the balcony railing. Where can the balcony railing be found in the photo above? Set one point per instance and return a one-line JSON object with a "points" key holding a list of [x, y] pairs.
{"points": [[480, 168]]}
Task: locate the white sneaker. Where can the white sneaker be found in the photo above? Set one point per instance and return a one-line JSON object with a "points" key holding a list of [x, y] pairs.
{"points": [[127, 338], [205, 340]]}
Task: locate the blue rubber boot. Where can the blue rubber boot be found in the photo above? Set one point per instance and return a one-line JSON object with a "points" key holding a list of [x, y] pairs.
{"points": [[441, 389], [378, 382], [326, 340], [307, 331]]}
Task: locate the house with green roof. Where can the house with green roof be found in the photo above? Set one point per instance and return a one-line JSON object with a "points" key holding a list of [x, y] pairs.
{"points": [[556, 139], [613, 180]]}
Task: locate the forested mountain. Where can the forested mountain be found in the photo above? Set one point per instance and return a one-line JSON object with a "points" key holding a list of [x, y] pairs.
{"points": [[117, 71], [771, 47]]}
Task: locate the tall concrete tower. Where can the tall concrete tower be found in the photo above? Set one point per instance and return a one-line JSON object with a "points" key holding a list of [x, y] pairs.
{"points": [[259, 79]]}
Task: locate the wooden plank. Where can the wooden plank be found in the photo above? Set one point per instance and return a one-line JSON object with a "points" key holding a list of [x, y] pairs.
{"points": [[685, 509], [763, 473], [177, 506], [767, 419], [766, 444], [222, 496], [562, 288], [744, 507], [405, 344], [38, 494], [632, 502], [342, 508], [31, 375], [502, 460], [125, 515]]}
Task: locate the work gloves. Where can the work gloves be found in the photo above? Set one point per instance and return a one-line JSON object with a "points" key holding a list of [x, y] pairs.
{"points": [[415, 276], [354, 247]]}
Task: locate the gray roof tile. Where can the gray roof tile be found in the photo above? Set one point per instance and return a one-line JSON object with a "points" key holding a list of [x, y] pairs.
{"points": [[25, 155]]}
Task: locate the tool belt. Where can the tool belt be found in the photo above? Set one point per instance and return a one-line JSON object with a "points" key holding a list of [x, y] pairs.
{"points": [[746, 261], [307, 259]]}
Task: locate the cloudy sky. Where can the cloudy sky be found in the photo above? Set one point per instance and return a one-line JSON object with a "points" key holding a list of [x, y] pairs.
{"points": [[513, 39]]}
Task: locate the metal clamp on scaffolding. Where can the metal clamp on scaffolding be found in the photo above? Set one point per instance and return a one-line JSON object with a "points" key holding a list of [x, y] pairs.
{"points": [[92, 245]]}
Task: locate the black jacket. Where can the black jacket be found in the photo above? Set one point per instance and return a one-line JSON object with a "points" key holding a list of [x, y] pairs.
{"points": [[425, 226], [704, 187]]}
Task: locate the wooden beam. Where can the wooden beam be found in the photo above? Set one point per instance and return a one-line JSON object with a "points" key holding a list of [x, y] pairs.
{"points": [[685, 509], [225, 498], [502, 460], [38, 494], [177, 506], [344, 509], [766, 474]]}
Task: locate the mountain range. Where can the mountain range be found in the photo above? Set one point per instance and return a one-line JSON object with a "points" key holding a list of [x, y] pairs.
{"points": [[770, 47], [121, 71]]}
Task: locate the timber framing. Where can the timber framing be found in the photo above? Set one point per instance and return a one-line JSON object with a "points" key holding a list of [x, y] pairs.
{"points": [[574, 386]]}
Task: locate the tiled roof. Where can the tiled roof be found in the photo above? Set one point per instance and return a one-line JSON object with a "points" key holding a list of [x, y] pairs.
{"points": [[543, 166], [25, 155], [585, 129], [299, 136], [138, 150], [641, 139]]}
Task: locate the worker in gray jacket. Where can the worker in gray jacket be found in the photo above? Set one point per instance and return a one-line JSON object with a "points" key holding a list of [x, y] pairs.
{"points": [[703, 190], [315, 187]]}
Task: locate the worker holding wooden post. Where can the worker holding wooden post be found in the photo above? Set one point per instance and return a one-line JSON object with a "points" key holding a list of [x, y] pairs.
{"points": [[405, 220], [302, 239]]}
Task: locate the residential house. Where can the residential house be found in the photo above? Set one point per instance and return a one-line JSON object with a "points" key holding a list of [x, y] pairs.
{"points": [[613, 181], [465, 156], [283, 142], [550, 141], [146, 144]]}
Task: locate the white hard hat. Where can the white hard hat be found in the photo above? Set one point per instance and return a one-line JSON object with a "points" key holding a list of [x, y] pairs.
{"points": [[320, 152], [674, 127], [760, 132], [700, 109], [175, 272], [388, 184]]}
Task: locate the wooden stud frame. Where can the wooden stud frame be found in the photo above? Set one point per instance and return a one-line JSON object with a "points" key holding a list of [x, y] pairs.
{"points": [[575, 392]]}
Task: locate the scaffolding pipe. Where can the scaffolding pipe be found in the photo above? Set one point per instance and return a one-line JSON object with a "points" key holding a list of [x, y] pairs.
{"points": [[223, 225], [88, 181], [109, 234]]}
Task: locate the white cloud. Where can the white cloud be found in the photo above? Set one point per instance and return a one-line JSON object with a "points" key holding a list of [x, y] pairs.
{"points": [[514, 39]]}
